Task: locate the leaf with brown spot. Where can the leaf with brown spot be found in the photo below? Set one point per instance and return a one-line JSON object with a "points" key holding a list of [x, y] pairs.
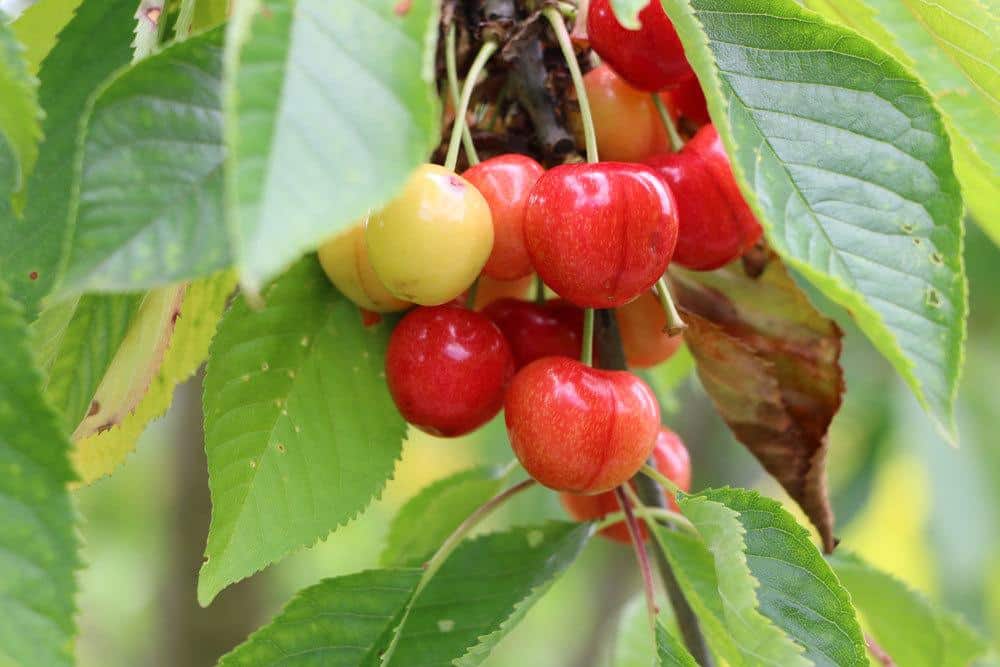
{"points": [[769, 361]]}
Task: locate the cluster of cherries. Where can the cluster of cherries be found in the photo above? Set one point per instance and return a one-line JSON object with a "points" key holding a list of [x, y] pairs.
{"points": [[599, 235]]}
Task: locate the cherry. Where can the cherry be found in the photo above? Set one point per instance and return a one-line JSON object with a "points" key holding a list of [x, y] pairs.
{"points": [[580, 429], [447, 369], [716, 225], [536, 330], [489, 290], [642, 325], [650, 58], [687, 100], [345, 260], [672, 460], [431, 241], [600, 234], [627, 124], [505, 182]]}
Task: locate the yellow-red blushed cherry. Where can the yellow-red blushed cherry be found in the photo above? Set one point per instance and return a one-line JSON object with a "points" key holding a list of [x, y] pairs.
{"points": [[431, 241], [626, 122], [447, 369], [600, 234], [672, 461], [579, 429], [505, 181], [642, 325], [344, 258]]}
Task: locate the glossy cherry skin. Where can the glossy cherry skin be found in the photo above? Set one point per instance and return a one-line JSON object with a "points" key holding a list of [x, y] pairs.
{"points": [[536, 330], [344, 258], [447, 369], [600, 234], [505, 181], [432, 239], [672, 460], [650, 58], [716, 224], [489, 290], [626, 122], [579, 429], [641, 324], [687, 100]]}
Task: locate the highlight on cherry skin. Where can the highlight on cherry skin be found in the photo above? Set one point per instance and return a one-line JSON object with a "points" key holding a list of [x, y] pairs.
{"points": [[447, 368], [580, 429], [431, 241], [670, 458], [345, 261], [626, 122], [642, 325], [650, 58], [600, 234], [505, 182], [716, 224]]}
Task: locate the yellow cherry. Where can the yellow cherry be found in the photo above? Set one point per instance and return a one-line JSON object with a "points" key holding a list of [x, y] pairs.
{"points": [[345, 260]]}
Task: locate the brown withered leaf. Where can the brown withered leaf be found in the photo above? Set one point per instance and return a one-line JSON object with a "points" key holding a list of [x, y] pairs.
{"points": [[769, 361]]}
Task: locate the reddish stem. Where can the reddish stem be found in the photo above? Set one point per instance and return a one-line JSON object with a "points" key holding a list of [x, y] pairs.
{"points": [[640, 553]]}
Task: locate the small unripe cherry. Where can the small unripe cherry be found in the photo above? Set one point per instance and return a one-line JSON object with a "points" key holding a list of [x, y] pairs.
{"points": [[579, 429], [536, 330], [626, 122], [431, 241], [642, 325], [447, 369], [672, 461], [505, 182], [716, 224], [600, 234], [344, 258]]}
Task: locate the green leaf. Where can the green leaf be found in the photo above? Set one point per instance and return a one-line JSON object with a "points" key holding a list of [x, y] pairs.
{"points": [[795, 587], [336, 623], [671, 651], [906, 625], [209, 13], [424, 522], [300, 430], [483, 590], [31, 249], [666, 378], [845, 159], [329, 107], [77, 355], [36, 28], [952, 46], [102, 452], [38, 544], [20, 116], [149, 179]]}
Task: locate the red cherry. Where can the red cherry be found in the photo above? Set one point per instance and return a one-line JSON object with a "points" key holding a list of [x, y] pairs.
{"points": [[687, 99], [600, 234], [534, 330], [641, 325], [447, 369], [580, 429], [626, 122], [650, 58], [505, 182], [672, 460], [716, 225]]}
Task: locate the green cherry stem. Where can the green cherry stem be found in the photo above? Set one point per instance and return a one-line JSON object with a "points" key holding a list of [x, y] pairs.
{"points": [[661, 479], [675, 139], [432, 566], [470, 295], [562, 36], [675, 325], [587, 345], [648, 514], [485, 51], [185, 17], [539, 289], [640, 553], [452, 67]]}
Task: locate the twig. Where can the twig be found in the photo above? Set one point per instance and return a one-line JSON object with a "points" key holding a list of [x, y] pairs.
{"points": [[640, 553]]}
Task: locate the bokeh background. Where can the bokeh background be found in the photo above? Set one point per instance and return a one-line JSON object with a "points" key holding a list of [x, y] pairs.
{"points": [[904, 499]]}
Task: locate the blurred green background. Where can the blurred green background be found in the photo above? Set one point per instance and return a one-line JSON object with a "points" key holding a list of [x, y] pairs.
{"points": [[904, 499]]}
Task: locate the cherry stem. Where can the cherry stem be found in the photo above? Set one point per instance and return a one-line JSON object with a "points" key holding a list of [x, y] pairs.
{"points": [[661, 479], [676, 142], [485, 51], [567, 9], [452, 67], [432, 566], [562, 36], [587, 345], [643, 558], [675, 325], [539, 289], [470, 295], [647, 514]]}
